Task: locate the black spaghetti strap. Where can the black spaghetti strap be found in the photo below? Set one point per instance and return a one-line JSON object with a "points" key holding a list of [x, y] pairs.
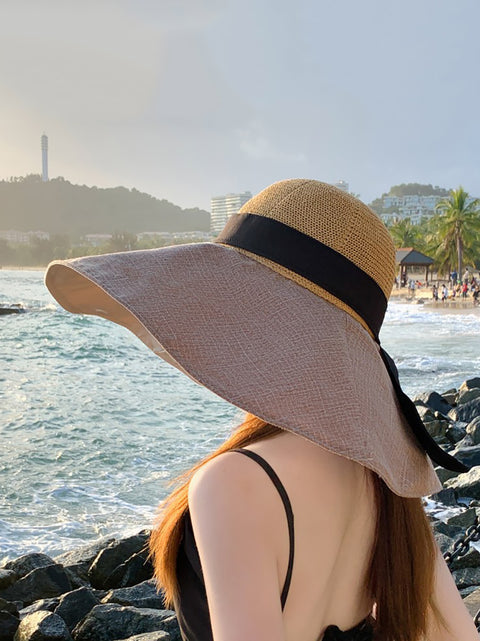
{"points": [[288, 510]]}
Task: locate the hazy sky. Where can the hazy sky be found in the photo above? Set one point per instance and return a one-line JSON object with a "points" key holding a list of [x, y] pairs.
{"points": [[186, 99]]}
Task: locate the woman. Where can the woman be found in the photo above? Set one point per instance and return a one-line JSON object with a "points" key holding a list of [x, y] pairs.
{"points": [[307, 523]]}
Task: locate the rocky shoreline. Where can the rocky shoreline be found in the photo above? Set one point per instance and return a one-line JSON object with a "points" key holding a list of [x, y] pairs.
{"points": [[105, 591]]}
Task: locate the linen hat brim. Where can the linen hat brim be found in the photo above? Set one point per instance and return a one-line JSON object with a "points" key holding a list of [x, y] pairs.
{"points": [[261, 342]]}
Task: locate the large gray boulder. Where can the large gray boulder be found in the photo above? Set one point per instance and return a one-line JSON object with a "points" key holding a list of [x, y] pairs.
{"points": [[471, 383], [112, 622], [143, 595], [7, 577], [74, 606], [41, 583], [466, 485], [467, 455], [23, 565], [472, 601], [8, 625], [102, 571], [434, 401], [466, 412], [78, 561], [467, 395], [42, 626], [473, 431], [466, 577]]}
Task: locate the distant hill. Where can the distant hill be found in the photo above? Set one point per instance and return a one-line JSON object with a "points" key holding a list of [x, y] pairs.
{"points": [[408, 189], [59, 207]]}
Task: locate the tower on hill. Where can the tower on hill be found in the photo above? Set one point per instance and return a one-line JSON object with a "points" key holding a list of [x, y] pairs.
{"points": [[44, 142]]}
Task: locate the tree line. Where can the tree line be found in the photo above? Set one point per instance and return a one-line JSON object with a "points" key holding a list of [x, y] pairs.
{"points": [[451, 237]]}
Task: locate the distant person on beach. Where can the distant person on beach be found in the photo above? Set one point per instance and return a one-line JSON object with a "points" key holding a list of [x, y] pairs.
{"points": [[444, 293], [466, 276], [464, 290], [307, 522], [435, 293]]}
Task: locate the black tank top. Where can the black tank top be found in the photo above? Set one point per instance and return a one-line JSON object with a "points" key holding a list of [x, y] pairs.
{"points": [[191, 605]]}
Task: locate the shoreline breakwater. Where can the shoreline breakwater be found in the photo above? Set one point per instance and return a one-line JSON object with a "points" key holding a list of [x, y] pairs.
{"points": [[104, 591]]}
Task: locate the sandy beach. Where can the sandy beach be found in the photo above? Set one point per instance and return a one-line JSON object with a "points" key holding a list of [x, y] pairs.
{"points": [[423, 296]]}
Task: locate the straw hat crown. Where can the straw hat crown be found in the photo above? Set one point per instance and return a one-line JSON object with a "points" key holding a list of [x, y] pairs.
{"points": [[333, 217]]}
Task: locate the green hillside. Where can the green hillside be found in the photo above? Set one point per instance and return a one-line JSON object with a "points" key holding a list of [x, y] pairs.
{"points": [[59, 207]]}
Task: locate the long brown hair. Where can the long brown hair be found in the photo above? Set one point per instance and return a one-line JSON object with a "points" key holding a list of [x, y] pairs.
{"points": [[401, 572]]}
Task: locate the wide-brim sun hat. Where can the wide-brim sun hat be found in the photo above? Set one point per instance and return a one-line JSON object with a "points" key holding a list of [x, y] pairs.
{"points": [[279, 316]]}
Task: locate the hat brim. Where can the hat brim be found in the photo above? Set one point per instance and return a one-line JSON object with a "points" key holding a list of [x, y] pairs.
{"points": [[261, 342]]}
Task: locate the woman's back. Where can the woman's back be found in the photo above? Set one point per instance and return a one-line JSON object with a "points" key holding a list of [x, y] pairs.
{"points": [[334, 522]]}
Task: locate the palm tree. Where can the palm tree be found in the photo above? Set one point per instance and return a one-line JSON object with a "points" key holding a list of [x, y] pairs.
{"points": [[404, 234], [456, 229]]}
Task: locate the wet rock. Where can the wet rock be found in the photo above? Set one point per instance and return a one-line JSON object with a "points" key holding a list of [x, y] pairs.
{"points": [[434, 401], [7, 577], [112, 621], [41, 604], [473, 431], [114, 555], [467, 455], [466, 412], [40, 583], [467, 484], [470, 383], [468, 395], [78, 561], [466, 577], [452, 531], [8, 625], [143, 595], [75, 605], [42, 626], [472, 601], [28, 562]]}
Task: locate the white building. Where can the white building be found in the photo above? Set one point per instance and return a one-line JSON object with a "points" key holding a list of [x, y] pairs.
{"points": [[22, 237], [410, 206], [223, 207], [343, 185]]}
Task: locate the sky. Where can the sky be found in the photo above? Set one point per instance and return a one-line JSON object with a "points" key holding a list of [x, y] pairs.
{"points": [[189, 99]]}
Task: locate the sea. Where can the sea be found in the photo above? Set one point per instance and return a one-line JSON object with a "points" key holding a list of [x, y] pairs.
{"points": [[94, 426]]}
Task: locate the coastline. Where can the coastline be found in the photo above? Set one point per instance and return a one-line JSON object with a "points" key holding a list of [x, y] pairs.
{"points": [[423, 297]]}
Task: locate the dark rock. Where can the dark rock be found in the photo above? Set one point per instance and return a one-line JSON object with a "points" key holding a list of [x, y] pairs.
{"points": [[445, 475], [10, 606], [8, 625], [472, 602], [115, 554], [445, 496], [112, 621], [468, 395], [444, 542], [466, 577], [464, 519], [451, 531], [78, 561], [74, 606], [40, 583], [151, 636], [473, 431], [28, 562], [467, 484], [434, 401], [466, 412], [41, 604], [425, 413], [136, 569], [467, 455], [143, 595], [42, 626], [470, 560], [471, 383], [437, 429], [455, 433], [450, 396], [7, 577], [464, 592]]}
